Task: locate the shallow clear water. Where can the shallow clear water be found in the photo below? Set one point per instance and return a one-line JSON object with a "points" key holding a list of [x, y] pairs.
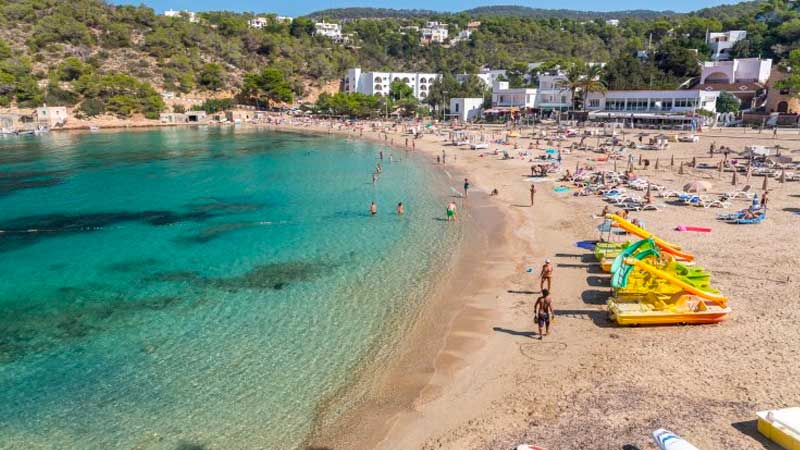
{"points": [[200, 288]]}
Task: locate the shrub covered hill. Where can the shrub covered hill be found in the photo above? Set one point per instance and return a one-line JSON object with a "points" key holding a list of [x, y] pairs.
{"points": [[118, 59]]}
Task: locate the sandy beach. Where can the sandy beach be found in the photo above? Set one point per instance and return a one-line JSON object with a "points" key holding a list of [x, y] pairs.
{"points": [[473, 374]]}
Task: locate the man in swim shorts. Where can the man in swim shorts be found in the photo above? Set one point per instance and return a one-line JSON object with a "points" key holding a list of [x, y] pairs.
{"points": [[546, 275], [543, 312], [373, 209]]}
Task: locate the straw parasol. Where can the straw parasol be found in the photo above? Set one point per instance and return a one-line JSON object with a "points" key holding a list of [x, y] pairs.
{"points": [[680, 169], [615, 165], [640, 159], [764, 185], [733, 179], [577, 166], [694, 161], [672, 161], [697, 186], [648, 198], [656, 168], [782, 179]]}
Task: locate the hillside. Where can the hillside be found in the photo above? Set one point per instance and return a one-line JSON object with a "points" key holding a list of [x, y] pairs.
{"points": [[119, 59], [486, 11]]}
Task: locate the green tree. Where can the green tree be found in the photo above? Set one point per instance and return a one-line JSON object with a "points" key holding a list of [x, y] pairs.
{"points": [[269, 86], [92, 107], [72, 68], [211, 77], [727, 102], [399, 90], [5, 50]]}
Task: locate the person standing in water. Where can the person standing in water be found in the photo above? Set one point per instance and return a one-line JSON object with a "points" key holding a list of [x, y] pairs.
{"points": [[373, 209], [466, 187], [378, 168], [543, 313], [451, 211], [400, 209], [546, 275]]}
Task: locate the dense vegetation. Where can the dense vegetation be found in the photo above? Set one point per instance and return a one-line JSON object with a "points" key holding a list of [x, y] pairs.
{"points": [[487, 11], [108, 58]]}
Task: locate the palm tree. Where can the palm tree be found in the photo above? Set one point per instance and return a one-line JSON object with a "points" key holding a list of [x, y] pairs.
{"points": [[572, 81], [591, 82], [583, 78]]}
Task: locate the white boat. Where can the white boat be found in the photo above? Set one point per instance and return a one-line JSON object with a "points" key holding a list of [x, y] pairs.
{"points": [[94, 128]]}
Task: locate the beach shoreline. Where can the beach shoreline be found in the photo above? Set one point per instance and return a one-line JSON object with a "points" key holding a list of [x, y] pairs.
{"points": [[494, 384]]}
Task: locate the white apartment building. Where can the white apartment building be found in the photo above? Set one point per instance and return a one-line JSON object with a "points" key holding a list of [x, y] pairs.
{"points": [[551, 95], [721, 43], [629, 103], [466, 109], [258, 22], [188, 14], [434, 32], [504, 97], [284, 19], [461, 36], [488, 76], [745, 70], [613, 22], [329, 30], [378, 83]]}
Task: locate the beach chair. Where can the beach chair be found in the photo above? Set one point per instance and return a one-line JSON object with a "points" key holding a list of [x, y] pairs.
{"points": [[718, 203], [744, 193]]}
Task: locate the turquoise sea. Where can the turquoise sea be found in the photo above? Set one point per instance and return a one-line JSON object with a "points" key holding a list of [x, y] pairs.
{"points": [[209, 288]]}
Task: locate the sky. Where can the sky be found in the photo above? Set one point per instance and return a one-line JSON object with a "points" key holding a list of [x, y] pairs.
{"points": [[300, 7]]}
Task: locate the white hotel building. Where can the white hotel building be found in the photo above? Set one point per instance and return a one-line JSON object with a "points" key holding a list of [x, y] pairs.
{"points": [[646, 104], [378, 83], [506, 99]]}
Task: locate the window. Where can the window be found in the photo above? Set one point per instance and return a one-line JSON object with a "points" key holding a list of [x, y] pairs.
{"points": [[457, 107], [378, 80], [784, 91], [594, 103], [378, 87], [563, 99], [406, 80], [423, 87], [638, 104], [615, 105], [422, 80]]}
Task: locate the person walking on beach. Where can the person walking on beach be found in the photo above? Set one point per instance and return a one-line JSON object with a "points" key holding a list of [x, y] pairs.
{"points": [[543, 313], [533, 193], [764, 199], [444, 157], [546, 275], [466, 187], [400, 209], [451, 211], [373, 209]]}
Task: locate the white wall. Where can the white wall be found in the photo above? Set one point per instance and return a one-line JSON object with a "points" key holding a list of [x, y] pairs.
{"points": [[466, 109]]}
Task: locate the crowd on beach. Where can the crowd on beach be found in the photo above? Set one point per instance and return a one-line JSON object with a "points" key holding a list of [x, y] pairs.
{"points": [[627, 191]]}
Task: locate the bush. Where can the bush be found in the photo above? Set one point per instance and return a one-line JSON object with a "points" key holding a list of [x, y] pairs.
{"points": [[122, 105], [72, 68], [56, 96], [60, 28], [93, 107], [211, 77]]}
